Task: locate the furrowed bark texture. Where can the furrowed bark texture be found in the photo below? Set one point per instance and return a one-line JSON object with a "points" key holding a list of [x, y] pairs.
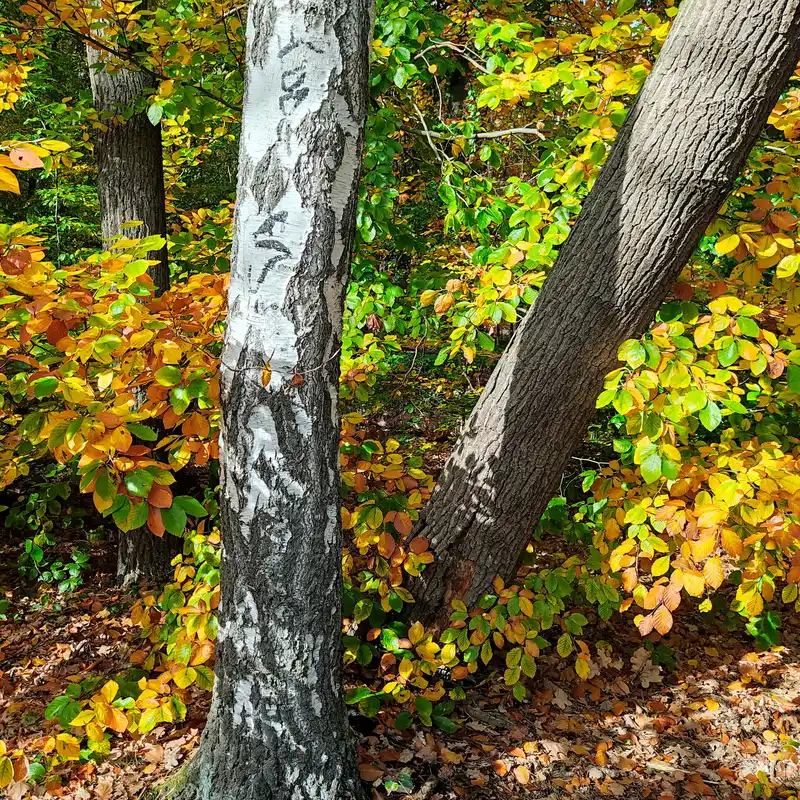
{"points": [[143, 556], [277, 728], [686, 138], [130, 168], [130, 182]]}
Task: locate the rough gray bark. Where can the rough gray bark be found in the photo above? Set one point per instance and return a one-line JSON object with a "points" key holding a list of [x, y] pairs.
{"points": [[277, 727], [130, 183], [143, 556], [130, 168], [685, 141]]}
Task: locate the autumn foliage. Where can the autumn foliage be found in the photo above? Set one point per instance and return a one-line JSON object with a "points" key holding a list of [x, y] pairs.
{"points": [[693, 502]]}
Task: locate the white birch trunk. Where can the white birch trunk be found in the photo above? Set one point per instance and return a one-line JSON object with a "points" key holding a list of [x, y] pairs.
{"points": [[278, 727]]}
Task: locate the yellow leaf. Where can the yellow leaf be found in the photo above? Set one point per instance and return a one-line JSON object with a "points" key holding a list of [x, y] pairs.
{"points": [[185, 677], [522, 774], [111, 717], [8, 181], [86, 716], [694, 582], [6, 772], [788, 266], [109, 691], [703, 335], [732, 542], [54, 146], [660, 566], [727, 244], [416, 632], [714, 572], [68, 747]]}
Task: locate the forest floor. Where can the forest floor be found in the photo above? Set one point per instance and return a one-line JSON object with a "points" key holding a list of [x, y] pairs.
{"points": [[715, 720]]}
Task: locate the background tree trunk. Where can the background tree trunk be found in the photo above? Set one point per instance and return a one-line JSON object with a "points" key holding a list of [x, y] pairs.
{"points": [[130, 182], [143, 556], [677, 156], [277, 726], [130, 167]]}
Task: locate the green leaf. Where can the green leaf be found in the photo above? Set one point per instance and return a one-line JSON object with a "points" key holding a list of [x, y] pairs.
{"points": [[356, 695], [632, 351], [174, 519], [728, 354], [169, 376], [623, 401], [424, 708], [793, 378], [44, 387], [104, 486], [748, 326], [696, 400], [179, 399], [205, 677], [445, 724], [670, 469], [403, 721], [154, 113], [107, 344], [190, 506], [139, 482], [710, 416], [625, 5], [564, 646], [139, 517], [64, 709], [142, 431], [651, 468]]}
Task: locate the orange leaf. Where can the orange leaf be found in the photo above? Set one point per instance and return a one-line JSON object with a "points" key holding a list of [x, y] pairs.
{"points": [[386, 544], [202, 653], [154, 521], [419, 544], [402, 523], [22, 158], [160, 496], [662, 620]]}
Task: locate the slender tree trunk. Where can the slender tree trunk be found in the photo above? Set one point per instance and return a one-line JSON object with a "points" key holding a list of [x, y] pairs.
{"points": [[277, 727], [130, 181], [685, 141], [143, 556], [130, 166]]}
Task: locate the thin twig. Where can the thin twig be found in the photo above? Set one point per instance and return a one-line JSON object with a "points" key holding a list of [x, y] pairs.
{"points": [[482, 135], [427, 132], [462, 51]]}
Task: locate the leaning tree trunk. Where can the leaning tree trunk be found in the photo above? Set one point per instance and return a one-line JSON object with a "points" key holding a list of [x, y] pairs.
{"points": [[277, 727], [130, 181], [677, 156]]}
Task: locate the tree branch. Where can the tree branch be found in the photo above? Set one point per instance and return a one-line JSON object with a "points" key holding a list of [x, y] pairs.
{"points": [[130, 58], [482, 135]]}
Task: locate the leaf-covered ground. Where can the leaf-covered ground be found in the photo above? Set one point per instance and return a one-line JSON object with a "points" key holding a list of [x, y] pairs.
{"points": [[721, 722]]}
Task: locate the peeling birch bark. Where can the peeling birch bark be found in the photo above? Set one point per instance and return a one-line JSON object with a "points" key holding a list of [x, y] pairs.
{"points": [[278, 727]]}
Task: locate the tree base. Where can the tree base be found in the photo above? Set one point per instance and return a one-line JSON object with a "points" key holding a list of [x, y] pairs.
{"points": [[143, 556]]}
